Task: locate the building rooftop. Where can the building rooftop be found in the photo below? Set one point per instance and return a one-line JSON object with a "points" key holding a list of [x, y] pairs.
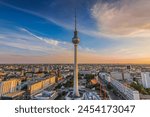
{"points": [[39, 80], [14, 94]]}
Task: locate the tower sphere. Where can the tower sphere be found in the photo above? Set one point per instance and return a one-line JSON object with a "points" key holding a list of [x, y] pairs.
{"points": [[75, 40]]}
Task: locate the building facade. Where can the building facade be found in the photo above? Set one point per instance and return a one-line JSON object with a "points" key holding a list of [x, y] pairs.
{"points": [[9, 86], [35, 87], [145, 79], [128, 93]]}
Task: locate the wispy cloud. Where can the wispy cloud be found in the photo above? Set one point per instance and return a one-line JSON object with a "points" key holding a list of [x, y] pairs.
{"points": [[21, 38], [128, 18], [36, 13], [48, 41], [62, 51], [29, 45], [120, 20], [63, 22]]}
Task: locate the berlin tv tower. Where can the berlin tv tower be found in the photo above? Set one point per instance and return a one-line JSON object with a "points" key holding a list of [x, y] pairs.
{"points": [[75, 41]]}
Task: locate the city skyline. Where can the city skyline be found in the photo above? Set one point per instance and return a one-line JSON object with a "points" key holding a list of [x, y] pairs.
{"points": [[111, 31]]}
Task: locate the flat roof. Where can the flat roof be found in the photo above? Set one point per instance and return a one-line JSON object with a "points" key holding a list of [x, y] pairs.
{"points": [[13, 94], [39, 80]]}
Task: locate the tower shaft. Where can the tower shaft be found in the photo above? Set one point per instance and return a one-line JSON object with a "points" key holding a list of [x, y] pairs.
{"points": [[76, 90]]}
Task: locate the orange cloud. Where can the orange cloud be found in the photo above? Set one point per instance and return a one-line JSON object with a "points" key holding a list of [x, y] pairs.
{"points": [[124, 17]]}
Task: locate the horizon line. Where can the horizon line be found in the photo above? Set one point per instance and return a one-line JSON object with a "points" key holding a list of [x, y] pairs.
{"points": [[82, 63]]}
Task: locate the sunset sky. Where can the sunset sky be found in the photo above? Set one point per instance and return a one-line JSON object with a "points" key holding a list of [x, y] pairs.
{"points": [[41, 31]]}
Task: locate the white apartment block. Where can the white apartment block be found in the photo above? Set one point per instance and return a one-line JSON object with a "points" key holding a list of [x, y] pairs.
{"points": [[145, 79], [121, 75], [128, 92]]}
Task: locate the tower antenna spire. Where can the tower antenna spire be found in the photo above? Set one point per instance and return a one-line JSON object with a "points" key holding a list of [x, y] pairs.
{"points": [[75, 20], [75, 23]]}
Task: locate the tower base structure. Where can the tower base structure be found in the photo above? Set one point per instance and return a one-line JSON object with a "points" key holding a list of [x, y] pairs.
{"points": [[84, 95]]}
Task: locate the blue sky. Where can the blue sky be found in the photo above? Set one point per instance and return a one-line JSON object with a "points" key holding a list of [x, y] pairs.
{"points": [[40, 31]]}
